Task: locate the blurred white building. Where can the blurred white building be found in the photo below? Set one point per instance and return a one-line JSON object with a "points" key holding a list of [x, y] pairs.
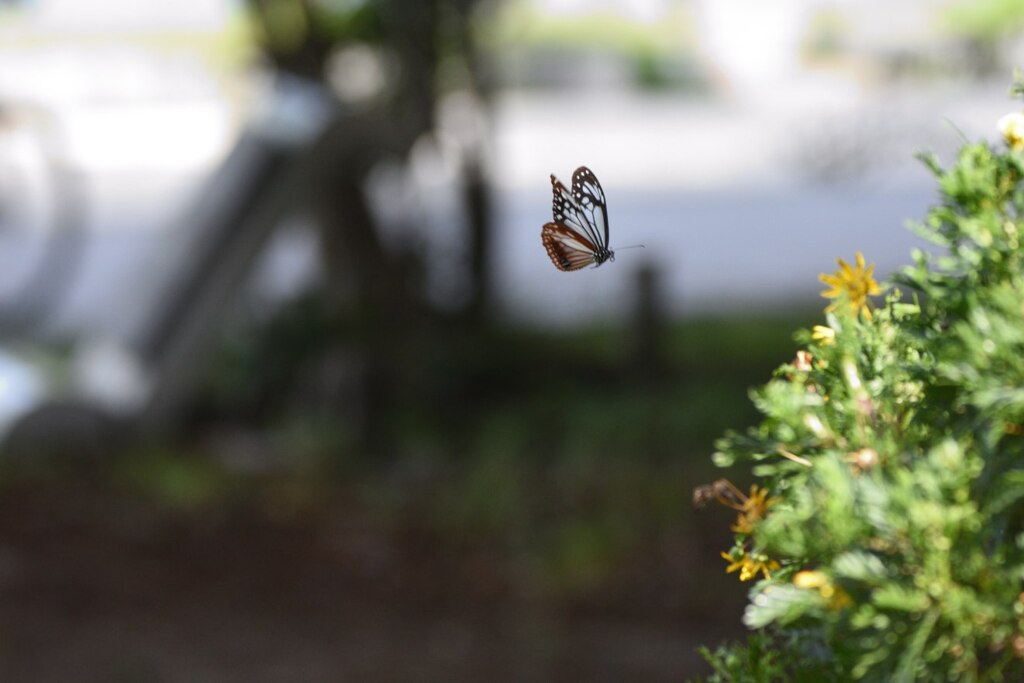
{"points": [[107, 17]]}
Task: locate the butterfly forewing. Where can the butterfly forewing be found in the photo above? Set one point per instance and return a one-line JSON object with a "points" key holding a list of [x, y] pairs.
{"points": [[589, 196], [568, 212]]}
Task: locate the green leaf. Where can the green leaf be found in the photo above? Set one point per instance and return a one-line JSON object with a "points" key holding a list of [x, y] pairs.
{"points": [[782, 604], [897, 597], [859, 566], [1008, 490]]}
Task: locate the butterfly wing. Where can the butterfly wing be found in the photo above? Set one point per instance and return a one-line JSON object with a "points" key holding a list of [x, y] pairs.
{"points": [[589, 198], [569, 212], [567, 248]]}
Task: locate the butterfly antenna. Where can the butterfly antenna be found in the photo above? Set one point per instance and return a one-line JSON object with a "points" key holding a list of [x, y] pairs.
{"points": [[632, 246]]}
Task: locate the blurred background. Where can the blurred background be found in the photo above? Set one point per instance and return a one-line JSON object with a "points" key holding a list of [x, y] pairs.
{"points": [[289, 389]]}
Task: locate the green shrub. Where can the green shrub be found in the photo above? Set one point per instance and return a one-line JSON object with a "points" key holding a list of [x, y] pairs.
{"points": [[886, 535]]}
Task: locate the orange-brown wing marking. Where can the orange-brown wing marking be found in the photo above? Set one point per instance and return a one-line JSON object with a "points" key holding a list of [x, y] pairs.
{"points": [[568, 249]]}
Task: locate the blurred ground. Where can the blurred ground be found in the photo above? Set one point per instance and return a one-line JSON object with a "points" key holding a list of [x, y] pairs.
{"points": [[546, 534], [95, 590]]}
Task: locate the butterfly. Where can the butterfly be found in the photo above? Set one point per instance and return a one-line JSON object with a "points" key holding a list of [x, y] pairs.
{"points": [[578, 236]]}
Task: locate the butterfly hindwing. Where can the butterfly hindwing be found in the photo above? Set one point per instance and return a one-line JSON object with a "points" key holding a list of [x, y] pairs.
{"points": [[567, 248]]}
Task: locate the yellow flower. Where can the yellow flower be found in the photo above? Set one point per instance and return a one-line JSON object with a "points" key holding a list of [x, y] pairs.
{"points": [[809, 579], [1012, 128], [750, 566], [758, 501], [853, 284], [825, 336], [814, 580], [743, 525], [839, 600], [754, 509]]}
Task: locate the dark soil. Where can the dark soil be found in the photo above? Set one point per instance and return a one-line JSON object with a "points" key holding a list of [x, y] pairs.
{"points": [[98, 586]]}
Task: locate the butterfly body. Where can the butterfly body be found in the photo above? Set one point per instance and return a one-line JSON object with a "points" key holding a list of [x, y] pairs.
{"points": [[578, 235]]}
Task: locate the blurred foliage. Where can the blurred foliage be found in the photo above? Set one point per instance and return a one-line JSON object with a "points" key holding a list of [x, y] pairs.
{"points": [[568, 487], [541, 450], [826, 33], [893, 451], [549, 393], [180, 483], [765, 658], [520, 23], [985, 28], [987, 20], [285, 25], [659, 54]]}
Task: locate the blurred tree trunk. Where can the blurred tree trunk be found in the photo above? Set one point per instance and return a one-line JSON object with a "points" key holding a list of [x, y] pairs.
{"points": [[476, 189], [377, 288], [478, 203]]}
